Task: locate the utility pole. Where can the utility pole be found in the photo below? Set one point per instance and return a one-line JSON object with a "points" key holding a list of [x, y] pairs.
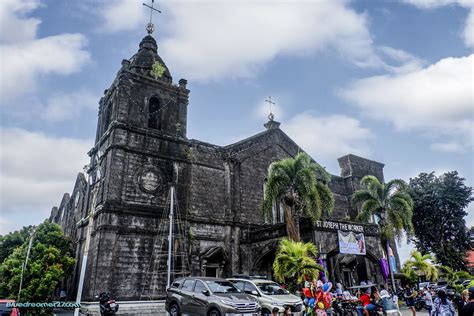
{"points": [[23, 266]]}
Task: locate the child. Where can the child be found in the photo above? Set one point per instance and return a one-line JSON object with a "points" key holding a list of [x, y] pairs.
{"points": [[275, 311]]}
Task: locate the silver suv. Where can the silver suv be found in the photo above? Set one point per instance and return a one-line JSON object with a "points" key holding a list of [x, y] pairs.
{"points": [[270, 295], [209, 297]]}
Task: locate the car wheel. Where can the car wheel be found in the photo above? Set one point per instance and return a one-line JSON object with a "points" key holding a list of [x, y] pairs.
{"points": [[174, 310], [266, 312], [214, 312]]}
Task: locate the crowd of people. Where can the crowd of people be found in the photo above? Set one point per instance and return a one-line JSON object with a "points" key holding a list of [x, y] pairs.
{"points": [[369, 300], [441, 304]]}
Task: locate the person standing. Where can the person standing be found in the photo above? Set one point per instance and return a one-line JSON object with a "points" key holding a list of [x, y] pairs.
{"points": [[468, 308], [428, 299], [442, 306], [463, 301], [410, 295]]}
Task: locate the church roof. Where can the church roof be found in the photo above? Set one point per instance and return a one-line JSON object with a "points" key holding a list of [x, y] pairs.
{"points": [[146, 56], [272, 136]]}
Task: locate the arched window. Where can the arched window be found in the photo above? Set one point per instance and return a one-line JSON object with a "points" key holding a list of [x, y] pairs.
{"points": [[154, 113], [106, 117]]}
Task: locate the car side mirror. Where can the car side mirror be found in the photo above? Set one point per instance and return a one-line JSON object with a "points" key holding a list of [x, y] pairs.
{"points": [[254, 292], [205, 292]]}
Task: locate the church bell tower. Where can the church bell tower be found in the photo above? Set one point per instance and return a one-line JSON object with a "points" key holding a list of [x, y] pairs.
{"points": [[140, 149]]}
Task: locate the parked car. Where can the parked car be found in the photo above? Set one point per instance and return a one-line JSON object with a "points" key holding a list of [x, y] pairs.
{"points": [[8, 311], [270, 295], [465, 283], [441, 284], [208, 296], [422, 285]]}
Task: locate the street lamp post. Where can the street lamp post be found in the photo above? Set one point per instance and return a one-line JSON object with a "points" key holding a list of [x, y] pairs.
{"points": [[23, 266]]}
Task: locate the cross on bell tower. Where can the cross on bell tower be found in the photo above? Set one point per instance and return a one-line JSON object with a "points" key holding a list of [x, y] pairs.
{"points": [[269, 101], [271, 124], [150, 27]]}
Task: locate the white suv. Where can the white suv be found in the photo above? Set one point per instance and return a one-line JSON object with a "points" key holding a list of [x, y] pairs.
{"points": [[270, 295]]}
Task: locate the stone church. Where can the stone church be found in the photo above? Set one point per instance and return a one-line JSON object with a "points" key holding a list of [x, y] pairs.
{"points": [[141, 149]]}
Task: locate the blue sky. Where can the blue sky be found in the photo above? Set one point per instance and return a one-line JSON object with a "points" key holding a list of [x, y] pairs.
{"points": [[388, 80]]}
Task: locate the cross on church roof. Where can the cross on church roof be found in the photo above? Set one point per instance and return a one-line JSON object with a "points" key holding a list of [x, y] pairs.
{"points": [[269, 101], [150, 27]]}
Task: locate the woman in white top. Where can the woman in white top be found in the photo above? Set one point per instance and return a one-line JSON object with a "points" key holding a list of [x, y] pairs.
{"points": [[428, 299]]}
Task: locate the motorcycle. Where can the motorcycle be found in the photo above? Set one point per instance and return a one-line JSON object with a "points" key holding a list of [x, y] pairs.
{"points": [[419, 303], [108, 307]]}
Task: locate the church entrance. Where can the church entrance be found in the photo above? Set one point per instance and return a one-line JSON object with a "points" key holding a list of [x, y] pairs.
{"points": [[350, 270], [213, 262], [264, 265], [212, 270]]}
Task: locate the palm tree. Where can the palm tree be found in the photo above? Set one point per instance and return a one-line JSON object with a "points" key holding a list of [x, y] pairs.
{"points": [[301, 186], [390, 204], [453, 276], [294, 261], [409, 274], [421, 264]]}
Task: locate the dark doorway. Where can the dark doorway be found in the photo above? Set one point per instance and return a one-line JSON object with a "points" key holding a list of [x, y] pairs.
{"points": [[264, 265], [213, 263], [211, 272]]}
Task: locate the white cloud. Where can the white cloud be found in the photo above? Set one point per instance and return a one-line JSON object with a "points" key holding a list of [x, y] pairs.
{"points": [[5, 226], [15, 26], [122, 15], [404, 61], [63, 106], [468, 32], [36, 170], [26, 58], [328, 137], [450, 147], [437, 100], [211, 39]]}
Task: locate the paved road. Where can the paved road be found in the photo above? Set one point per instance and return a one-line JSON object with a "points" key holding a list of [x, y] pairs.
{"points": [[407, 312]]}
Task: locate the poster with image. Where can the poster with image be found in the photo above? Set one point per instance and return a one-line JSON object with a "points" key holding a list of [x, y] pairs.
{"points": [[351, 243]]}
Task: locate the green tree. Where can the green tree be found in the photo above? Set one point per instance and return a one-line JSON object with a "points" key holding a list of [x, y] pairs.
{"points": [[11, 241], [438, 217], [50, 260], [422, 265], [294, 261], [301, 186], [390, 204], [453, 276]]}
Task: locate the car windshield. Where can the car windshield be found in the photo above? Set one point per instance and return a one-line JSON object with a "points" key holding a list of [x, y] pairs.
{"points": [[271, 288], [222, 287]]}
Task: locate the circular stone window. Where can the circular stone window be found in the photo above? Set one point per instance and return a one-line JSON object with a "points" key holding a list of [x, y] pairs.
{"points": [[149, 181]]}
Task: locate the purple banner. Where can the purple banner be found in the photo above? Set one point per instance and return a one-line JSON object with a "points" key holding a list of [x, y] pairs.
{"points": [[384, 267]]}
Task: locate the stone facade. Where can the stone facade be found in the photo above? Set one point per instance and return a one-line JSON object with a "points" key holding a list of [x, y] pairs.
{"points": [[141, 149]]}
